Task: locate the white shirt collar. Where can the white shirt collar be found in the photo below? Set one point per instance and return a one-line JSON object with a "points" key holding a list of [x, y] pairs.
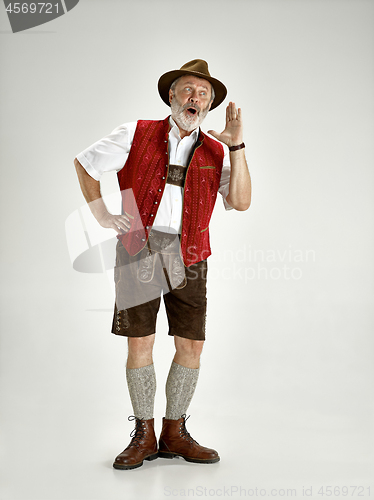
{"points": [[175, 130]]}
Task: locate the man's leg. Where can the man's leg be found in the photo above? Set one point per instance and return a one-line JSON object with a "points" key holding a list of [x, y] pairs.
{"points": [[188, 352], [136, 308], [141, 377], [186, 311], [183, 376], [180, 387], [141, 381]]}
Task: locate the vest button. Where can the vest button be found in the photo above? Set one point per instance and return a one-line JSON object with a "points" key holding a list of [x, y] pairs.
{"points": [[156, 202], [152, 215], [159, 190], [163, 178], [143, 239]]}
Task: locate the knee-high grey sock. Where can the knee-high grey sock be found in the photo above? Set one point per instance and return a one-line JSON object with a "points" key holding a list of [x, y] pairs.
{"points": [[142, 388], [180, 387]]}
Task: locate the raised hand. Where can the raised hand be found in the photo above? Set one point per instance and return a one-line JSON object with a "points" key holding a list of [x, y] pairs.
{"points": [[233, 133]]}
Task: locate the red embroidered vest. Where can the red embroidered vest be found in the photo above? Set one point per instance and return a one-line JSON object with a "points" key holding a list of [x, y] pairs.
{"points": [[142, 183]]}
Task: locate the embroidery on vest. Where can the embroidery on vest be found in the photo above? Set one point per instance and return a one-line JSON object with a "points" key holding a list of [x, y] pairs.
{"points": [[144, 176]]}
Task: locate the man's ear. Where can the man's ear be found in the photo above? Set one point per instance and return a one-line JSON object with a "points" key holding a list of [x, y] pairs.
{"points": [[210, 104], [170, 95]]}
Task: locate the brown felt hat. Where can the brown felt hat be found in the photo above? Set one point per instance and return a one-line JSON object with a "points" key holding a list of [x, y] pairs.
{"points": [[198, 68]]}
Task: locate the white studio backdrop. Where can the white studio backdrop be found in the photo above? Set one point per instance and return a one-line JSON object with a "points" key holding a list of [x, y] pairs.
{"points": [[286, 385]]}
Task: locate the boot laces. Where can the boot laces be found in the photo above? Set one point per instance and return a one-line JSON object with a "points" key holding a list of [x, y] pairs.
{"points": [[184, 432], [138, 433]]}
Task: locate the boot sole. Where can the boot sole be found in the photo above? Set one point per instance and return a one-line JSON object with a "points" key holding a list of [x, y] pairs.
{"points": [[135, 466], [165, 454]]}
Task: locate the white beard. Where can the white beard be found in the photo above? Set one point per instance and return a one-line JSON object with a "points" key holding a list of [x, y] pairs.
{"points": [[182, 119]]}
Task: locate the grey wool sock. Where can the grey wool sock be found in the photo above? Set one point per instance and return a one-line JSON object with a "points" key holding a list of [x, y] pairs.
{"points": [[180, 387], [142, 388]]}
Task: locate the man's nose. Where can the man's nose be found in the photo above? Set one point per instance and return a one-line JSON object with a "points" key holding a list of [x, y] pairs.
{"points": [[193, 97]]}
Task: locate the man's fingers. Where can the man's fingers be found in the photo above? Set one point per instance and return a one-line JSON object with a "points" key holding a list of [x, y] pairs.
{"points": [[121, 224], [232, 111], [117, 229], [125, 221]]}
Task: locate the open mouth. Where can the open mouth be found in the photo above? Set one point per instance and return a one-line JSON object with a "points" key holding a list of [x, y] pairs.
{"points": [[192, 111]]}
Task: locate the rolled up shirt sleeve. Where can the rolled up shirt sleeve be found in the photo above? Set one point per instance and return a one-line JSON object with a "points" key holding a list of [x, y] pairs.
{"points": [[109, 153]]}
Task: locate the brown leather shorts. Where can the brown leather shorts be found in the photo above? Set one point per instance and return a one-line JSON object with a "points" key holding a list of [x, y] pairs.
{"points": [[158, 270]]}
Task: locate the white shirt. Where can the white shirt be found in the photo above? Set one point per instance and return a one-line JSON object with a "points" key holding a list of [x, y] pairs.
{"points": [[110, 154]]}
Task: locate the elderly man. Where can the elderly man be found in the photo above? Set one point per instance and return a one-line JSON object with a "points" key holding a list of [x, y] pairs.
{"points": [[169, 173]]}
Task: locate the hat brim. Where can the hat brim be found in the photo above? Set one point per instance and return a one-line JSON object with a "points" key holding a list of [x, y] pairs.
{"points": [[167, 79]]}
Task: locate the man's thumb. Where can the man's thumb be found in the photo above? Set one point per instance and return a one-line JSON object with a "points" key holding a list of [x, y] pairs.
{"points": [[213, 133]]}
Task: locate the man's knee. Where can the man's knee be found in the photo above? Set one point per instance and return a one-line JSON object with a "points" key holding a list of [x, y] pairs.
{"points": [[141, 345], [188, 347]]}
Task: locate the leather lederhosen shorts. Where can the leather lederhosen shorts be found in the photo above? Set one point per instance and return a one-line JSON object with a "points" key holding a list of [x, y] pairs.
{"points": [[157, 270]]}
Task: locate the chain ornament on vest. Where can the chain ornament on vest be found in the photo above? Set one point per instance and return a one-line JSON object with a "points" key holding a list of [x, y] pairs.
{"points": [[176, 175]]}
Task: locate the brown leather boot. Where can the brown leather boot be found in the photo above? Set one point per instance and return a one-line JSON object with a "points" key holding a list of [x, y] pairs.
{"points": [[175, 441], [143, 446]]}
